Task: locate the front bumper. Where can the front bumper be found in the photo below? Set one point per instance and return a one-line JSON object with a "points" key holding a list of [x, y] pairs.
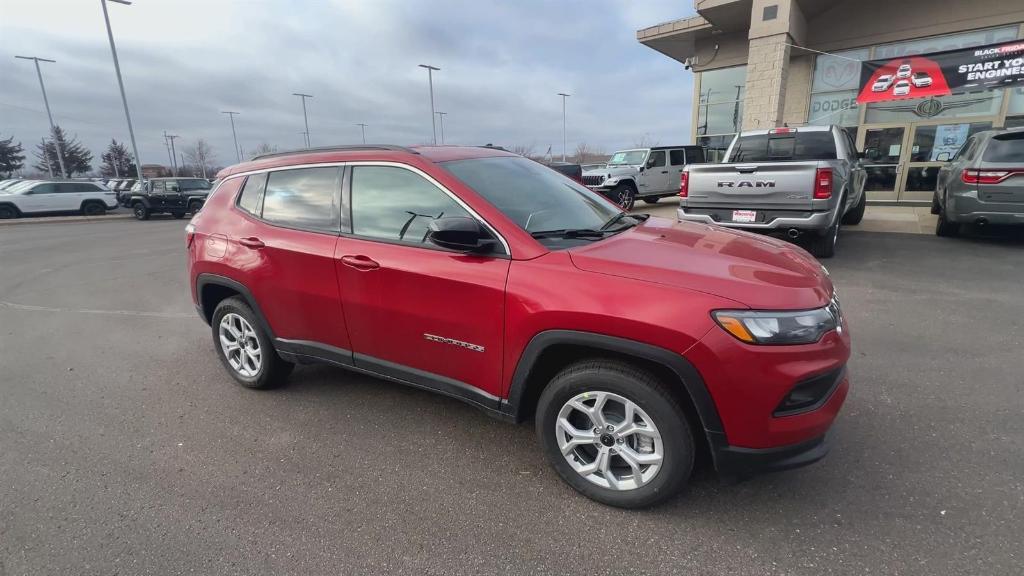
{"points": [[771, 219], [734, 463]]}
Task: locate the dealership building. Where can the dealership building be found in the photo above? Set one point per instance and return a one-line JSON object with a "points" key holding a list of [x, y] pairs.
{"points": [[767, 63]]}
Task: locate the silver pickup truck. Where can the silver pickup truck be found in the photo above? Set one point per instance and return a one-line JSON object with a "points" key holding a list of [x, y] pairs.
{"points": [[786, 181]]}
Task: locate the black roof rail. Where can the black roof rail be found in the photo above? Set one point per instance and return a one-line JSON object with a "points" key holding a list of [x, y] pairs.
{"points": [[341, 148]]}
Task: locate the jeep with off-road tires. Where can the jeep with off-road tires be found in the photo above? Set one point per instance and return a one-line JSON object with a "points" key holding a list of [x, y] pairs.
{"points": [[175, 196], [642, 173], [640, 346]]}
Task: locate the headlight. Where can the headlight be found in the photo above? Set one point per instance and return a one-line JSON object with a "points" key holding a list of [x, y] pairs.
{"points": [[763, 327]]}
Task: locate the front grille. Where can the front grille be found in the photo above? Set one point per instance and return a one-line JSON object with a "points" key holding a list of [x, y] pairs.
{"points": [[593, 180]]}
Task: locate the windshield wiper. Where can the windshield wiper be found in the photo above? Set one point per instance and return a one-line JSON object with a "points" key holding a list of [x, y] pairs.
{"points": [[569, 233], [639, 218]]}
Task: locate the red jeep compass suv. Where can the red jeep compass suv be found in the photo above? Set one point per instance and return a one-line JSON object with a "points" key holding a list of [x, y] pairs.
{"points": [[634, 342]]}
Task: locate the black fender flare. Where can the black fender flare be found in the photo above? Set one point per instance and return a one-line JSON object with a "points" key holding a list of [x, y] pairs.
{"points": [[207, 279], [692, 382], [139, 198]]}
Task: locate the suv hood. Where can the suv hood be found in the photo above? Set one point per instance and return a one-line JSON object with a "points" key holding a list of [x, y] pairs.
{"points": [[613, 170], [756, 271]]}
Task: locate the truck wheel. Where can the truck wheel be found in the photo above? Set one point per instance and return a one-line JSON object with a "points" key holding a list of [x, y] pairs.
{"points": [[624, 195], [615, 433], [94, 209], [945, 228], [853, 217], [244, 349], [195, 206], [824, 246], [178, 215], [8, 212], [936, 207], [140, 211]]}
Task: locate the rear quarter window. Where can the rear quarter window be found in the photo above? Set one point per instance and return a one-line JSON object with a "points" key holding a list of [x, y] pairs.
{"points": [[1005, 148], [786, 147]]}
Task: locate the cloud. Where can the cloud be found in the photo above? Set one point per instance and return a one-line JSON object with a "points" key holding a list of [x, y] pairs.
{"points": [[502, 64]]}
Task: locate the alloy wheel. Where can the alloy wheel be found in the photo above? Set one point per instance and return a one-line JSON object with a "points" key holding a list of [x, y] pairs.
{"points": [[609, 440], [240, 345]]}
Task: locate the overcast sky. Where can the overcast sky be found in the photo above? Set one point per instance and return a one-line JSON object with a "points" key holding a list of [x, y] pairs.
{"points": [[502, 64]]}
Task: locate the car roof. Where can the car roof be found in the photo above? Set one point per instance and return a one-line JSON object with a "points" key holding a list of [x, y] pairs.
{"points": [[368, 153]]}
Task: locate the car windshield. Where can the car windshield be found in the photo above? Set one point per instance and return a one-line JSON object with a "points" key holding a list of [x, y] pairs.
{"points": [[628, 157], [534, 196]]}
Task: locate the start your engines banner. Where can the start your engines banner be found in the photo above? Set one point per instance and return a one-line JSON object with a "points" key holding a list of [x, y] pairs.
{"points": [[941, 73]]}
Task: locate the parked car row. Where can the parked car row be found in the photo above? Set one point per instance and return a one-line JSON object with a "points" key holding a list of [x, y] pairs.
{"points": [[23, 197]]}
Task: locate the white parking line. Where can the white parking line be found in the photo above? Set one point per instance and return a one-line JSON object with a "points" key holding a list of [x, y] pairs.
{"points": [[31, 308]]}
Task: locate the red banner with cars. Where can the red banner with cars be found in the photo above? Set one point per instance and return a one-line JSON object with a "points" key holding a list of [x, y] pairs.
{"points": [[942, 73]]}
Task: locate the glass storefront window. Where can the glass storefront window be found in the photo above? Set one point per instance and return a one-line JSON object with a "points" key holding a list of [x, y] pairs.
{"points": [[922, 178], [1016, 104], [839, 71], [955, 106], [950, 42], [932, 142], [716, 146], [835, 108], [719, 118]]}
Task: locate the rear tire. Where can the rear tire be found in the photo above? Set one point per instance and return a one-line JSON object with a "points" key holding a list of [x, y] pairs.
{"points": [[653, 404], [94, 209], [140, 211], [178, 215], [195, 206], [854, 216], [253, 362], [824, 246], [945, 228], [8, 212]]}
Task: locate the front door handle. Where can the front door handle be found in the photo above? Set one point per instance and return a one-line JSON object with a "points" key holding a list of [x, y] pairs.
{"points": [[664, 171], [251, 242], [359, 262]]}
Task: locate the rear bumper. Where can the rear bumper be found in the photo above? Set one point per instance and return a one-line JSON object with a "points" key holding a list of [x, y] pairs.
{"points": [[967, 208], [773, 220]]}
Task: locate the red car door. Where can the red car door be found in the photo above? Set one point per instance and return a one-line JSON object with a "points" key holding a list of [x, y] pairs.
{"points": [[284, 238], [415, 311]]}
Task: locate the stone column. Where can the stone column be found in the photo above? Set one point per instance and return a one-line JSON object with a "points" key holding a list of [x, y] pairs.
{"points": [[774, 24]]}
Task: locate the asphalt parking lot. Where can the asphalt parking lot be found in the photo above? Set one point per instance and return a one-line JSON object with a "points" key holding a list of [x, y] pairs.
{"points": [[126, 449]]}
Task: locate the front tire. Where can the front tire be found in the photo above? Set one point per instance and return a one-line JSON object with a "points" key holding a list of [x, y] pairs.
{"points": [[624, 195], [140, 211], [615, 434], [8, 213], [244, 348]]}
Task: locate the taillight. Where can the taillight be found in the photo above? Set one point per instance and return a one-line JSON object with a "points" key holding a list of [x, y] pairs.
{"points": [[823, 184], [970, 176], [684, 184], [190, 234]]}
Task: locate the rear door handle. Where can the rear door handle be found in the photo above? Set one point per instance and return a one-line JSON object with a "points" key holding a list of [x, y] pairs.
{"points": [[359, 262], [251, 242], [664, 171]]}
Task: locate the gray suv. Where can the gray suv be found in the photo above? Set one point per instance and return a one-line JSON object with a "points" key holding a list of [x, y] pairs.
{"points": [[982, 184]]}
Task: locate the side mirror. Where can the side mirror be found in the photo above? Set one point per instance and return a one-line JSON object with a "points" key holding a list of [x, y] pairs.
{"points": [[642, 168], [870, 154], [943, 157], [460, 234]]}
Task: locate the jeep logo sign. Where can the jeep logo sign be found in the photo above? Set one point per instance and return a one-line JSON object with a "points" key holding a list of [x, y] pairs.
{"points": [[746, 184]]}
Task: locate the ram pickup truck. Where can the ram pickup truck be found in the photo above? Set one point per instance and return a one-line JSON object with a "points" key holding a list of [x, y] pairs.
{"points": [[790, 182]]}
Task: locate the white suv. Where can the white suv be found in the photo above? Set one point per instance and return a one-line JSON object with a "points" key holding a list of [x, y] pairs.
{"points": [[88, 198]]}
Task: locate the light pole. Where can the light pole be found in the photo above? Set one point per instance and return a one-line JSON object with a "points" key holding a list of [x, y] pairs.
{"points": [[304, 117], [564, 96], [46, 101], [441, 116], [362, 129], [238, 153], [120, 84], [174, 155], [430, 79]]}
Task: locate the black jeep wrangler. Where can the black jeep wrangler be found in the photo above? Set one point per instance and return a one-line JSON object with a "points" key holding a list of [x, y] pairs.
{"points": [[175, 196]]}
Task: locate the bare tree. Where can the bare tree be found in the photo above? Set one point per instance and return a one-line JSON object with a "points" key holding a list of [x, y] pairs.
{"points": [[264, 148], [201, 156], [586, 154], [522, 149], [646, 141]]}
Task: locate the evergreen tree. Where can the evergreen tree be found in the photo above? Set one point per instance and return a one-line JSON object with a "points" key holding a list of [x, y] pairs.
{"points": [[117, 161], [77, 158], [11, 156]]}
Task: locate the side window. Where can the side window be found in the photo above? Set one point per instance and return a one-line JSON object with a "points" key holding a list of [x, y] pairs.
{"points": [[159, 186], [251, 198], [677, 157], [44, 189], [395, 204], [306, 198], [656, 159], [66, 188]]}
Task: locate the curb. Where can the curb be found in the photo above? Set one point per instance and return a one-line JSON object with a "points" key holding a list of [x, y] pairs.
{"points": [[64, 219]]}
